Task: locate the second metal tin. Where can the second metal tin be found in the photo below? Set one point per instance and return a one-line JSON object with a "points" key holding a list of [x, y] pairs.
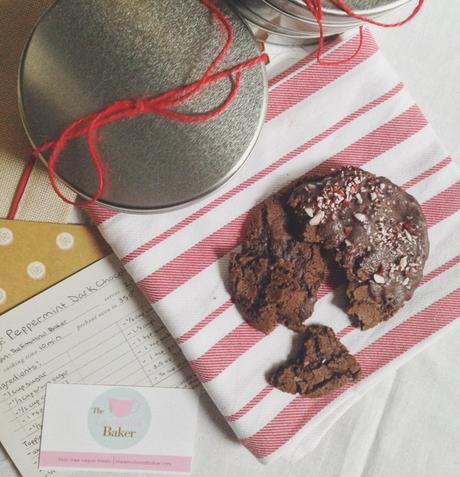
{"points": [[295, 22]]}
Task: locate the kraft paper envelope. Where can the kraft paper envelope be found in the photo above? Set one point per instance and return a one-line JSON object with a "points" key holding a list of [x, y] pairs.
{"points": [[35, 256]]}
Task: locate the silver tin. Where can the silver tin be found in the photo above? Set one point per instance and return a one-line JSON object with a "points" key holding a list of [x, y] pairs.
{"points": [[303, 17], [367, 8], [85, 54], [299, 24], [268, 28], [293, 15], [336, 17]]}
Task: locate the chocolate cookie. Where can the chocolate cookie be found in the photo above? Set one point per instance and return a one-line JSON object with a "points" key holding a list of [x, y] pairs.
{"points": [[275, 278], [323, 366], [377, 233]]}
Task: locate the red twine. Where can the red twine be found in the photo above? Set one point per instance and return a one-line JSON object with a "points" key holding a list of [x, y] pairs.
{"points": [[21, 188], [162, 105]]}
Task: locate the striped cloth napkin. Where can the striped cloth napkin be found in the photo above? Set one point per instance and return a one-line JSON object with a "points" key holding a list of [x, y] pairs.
{"points": [[319, 117]]}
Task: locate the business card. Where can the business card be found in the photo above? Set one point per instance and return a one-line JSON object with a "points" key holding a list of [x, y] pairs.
{"points": [[106, 428]]}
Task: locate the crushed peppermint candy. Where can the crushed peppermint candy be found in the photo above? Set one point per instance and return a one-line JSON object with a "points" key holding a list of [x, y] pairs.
{"points": [[403, 263], [316, 220], [360, 217], [309, 211], [408, 235], [336, 195]]}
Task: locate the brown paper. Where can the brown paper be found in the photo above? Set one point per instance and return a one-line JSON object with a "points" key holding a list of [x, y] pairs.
{"points": [[35, 256]]}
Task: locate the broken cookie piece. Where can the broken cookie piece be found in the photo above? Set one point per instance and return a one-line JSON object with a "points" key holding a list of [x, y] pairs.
{"points": [[323, 366]]}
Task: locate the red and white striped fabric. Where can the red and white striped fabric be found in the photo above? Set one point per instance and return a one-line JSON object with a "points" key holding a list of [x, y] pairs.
{"points": [[318, 117]]}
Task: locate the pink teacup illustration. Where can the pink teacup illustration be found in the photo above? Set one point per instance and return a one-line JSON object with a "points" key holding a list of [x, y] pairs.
{"points": [[123, 407]]}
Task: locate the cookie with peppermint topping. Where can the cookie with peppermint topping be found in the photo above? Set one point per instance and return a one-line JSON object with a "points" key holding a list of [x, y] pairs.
{"points": [[376, 232]]}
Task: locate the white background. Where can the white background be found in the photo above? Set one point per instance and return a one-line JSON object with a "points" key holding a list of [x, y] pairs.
{"points": [[409, 425]]}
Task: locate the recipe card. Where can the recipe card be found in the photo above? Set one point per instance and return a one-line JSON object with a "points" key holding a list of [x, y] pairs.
{"points": [[94, 327], [105, 428]]}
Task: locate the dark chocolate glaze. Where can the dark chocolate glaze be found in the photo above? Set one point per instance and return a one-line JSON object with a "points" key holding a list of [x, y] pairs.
{"points": [[377, 233]]}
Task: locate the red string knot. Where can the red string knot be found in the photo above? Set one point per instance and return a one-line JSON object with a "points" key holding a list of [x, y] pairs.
{"points": [[139, 105]]}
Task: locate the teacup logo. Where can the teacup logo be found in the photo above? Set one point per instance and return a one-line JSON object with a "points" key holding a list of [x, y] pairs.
{"points": [[122, 407], [119, 418]]}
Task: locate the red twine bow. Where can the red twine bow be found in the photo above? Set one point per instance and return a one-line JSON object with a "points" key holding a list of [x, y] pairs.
{"points": [[162, 105]]}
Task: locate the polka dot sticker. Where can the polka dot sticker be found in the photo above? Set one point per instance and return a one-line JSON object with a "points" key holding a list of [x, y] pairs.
{"points": [[3, 296], [65, 241], [6, 236], [36, 270]]}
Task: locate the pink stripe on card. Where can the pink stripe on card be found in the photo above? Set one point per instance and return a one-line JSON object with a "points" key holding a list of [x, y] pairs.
{"points": [[182, 268], [381, 352], [119, 461]]}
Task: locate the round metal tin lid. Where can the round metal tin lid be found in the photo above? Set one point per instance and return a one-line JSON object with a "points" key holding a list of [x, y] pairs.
{"points": [[85, 54]]}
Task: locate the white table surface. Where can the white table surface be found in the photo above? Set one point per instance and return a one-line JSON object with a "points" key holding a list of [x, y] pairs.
{"points": [[409, 425]]}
